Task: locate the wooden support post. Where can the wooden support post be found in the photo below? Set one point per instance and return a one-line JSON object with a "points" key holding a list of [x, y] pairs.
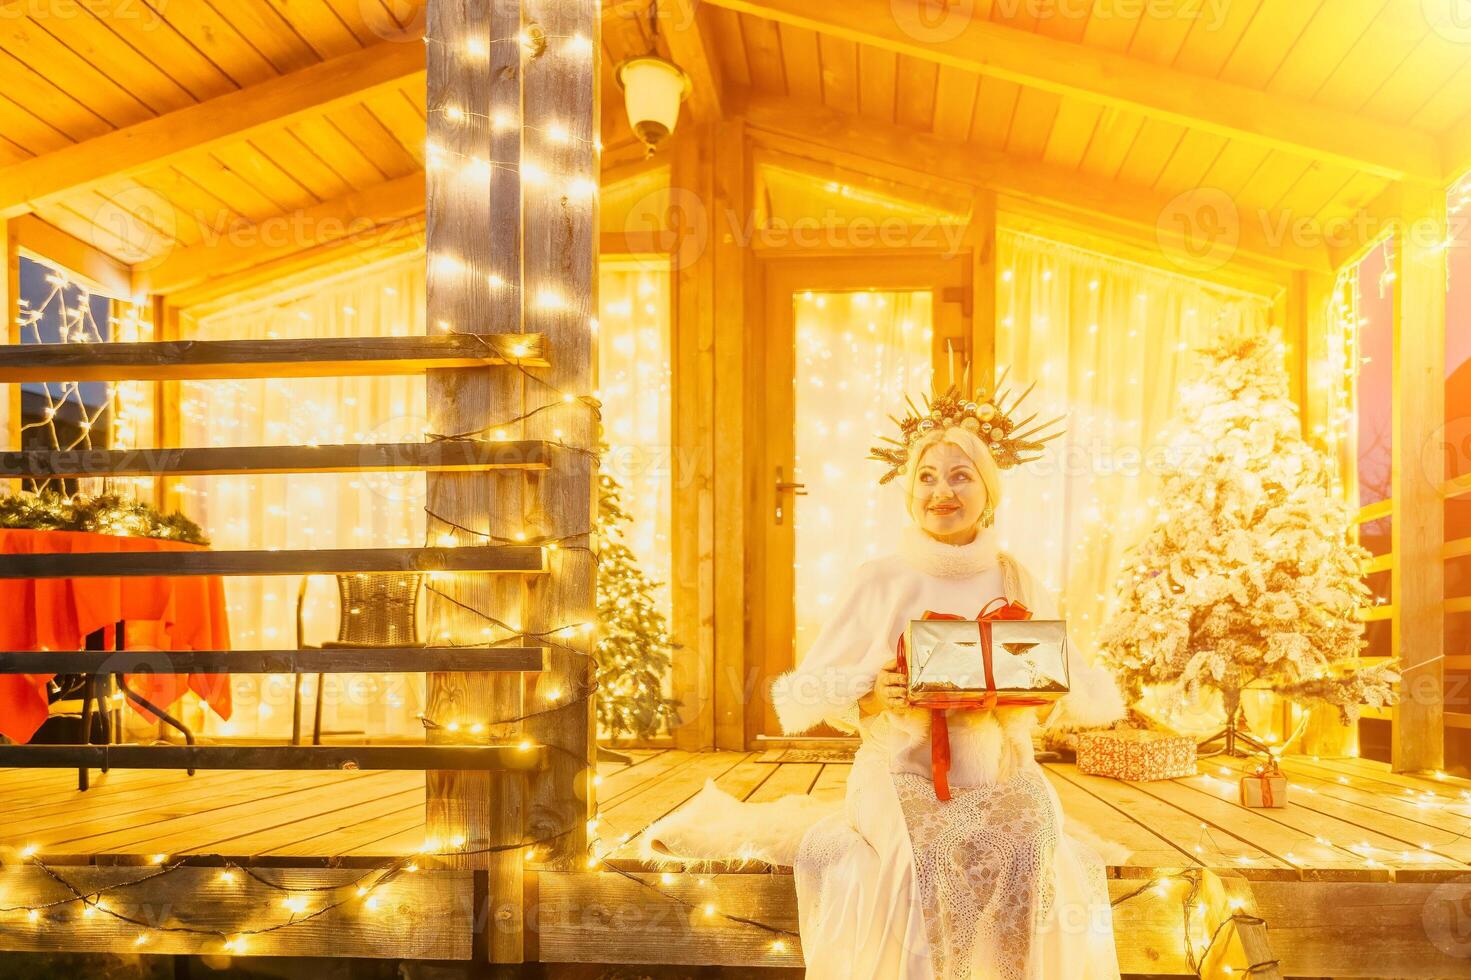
{"points": [[732, 261], [1318, 380], [560, 228], [1242, 948], [692, 182], [167, 420], [474, 232], [10, 309], [1418, 469]]}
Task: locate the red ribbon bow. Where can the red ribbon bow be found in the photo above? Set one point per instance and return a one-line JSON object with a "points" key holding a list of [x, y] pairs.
{"points": [[939, 726]]}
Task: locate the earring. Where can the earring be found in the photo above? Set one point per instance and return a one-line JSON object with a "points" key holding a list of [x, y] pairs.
{"points": [[987, 516]]}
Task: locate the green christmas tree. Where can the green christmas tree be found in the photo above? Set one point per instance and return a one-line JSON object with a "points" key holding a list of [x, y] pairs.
{"points": [[634, 650], [1249, 576]]}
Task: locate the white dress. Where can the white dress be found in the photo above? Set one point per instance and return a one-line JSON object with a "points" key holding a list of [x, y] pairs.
{"points": [[899, 884]]}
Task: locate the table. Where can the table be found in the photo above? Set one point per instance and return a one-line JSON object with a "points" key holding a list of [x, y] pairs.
{"points": [[158, 613]]}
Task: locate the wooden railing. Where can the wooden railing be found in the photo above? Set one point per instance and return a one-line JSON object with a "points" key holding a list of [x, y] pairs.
{"points": [[456, 759], [1387, 562]]}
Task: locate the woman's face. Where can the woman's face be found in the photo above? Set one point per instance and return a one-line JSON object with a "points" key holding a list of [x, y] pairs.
{"points": [[948, 493]]}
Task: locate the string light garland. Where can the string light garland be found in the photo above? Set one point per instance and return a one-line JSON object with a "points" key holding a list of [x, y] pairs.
{"points": [[124, 404]]}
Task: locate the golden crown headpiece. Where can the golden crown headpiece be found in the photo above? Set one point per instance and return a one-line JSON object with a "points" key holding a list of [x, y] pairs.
{"points": [[990, 417]]}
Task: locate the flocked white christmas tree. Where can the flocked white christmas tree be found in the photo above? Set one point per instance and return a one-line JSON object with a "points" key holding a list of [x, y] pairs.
{"points": [[1248, 576]]}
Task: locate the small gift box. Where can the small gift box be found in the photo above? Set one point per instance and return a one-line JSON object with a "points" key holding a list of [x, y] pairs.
{"points": [[1267, 787], [984, 663], [1136, 754]]}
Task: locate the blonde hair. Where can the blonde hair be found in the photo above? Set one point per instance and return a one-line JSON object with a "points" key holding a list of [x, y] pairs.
{"points": [[967, 442]]}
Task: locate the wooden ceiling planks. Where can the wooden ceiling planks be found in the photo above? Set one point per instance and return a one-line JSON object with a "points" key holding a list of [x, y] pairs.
{"points": [[1153, 146], [1366, 56], [839, 59], [955, 103], [28, 88], [1213, 34], [914, 99], [763, 54], [167, 56], [1032, 123], [1159, 39], [1191, 160], [1112, 27], [730, 47], [1382, 51], [800, 63], [877, 83], [1073, 129], [1324, 42], [996, 100], [1268, 41]]}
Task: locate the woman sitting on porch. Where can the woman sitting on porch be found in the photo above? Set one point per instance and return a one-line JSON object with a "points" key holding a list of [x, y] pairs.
{"points": [[901, 883]]}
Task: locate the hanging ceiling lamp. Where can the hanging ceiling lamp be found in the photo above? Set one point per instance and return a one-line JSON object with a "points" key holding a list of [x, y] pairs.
{"points": [[653, 87]]}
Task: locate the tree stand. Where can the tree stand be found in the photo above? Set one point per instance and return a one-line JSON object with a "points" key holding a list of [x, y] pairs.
{"points": [[1233, 737]]}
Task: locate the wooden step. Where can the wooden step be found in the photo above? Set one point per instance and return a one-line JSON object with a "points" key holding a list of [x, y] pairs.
{"points": [[468, 757], [332, 660], [442, 456], [326, 561], [318, 357]]}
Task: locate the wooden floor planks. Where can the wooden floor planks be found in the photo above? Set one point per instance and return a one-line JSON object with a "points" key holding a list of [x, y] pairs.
{"points": [[1348, 819]]}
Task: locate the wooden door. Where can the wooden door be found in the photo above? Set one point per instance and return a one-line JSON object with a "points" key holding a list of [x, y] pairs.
{"points": [[935, 292]]}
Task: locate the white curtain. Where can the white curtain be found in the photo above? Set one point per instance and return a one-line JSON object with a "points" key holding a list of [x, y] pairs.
{"points": [[634, 384], [386, 509], [1109, 345], [856, 355], [348, 510]]}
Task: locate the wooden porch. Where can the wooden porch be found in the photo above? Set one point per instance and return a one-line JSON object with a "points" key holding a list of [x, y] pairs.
{"points": [[1356, 837]]}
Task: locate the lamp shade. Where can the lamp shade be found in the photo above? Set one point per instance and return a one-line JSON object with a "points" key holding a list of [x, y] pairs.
{"points": [[652, 91]]}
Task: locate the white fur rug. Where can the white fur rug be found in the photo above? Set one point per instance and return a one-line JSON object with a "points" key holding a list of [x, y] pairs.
{"points": [[716, 827]]}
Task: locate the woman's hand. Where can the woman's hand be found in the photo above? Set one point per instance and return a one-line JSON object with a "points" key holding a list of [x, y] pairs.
{"points": [[889, 692]]}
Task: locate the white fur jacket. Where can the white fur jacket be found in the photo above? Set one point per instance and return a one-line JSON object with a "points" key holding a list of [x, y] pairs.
{"points": [[860, 637]]}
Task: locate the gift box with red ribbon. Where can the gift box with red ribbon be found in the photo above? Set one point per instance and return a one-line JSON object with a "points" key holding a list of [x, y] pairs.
{"points": [[1267, 787], [1033, 672], [1136, 754]]}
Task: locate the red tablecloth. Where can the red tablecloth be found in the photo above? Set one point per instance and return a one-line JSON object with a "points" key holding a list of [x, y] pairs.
{"points": [[184, 612]]}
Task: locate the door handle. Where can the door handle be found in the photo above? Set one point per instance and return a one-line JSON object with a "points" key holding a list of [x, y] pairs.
{"points": [[783, 486]]}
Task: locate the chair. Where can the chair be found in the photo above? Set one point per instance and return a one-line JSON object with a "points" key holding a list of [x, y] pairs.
{"points": [[379, 609]]}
